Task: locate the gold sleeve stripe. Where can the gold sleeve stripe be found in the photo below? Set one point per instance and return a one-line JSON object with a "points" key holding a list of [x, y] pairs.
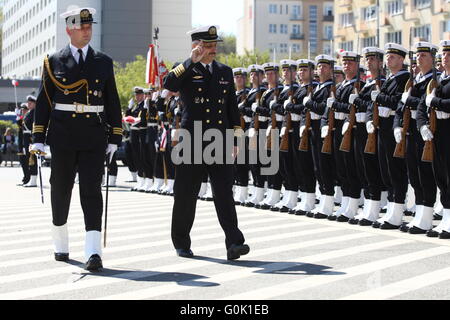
{"points": [[179, 70]]}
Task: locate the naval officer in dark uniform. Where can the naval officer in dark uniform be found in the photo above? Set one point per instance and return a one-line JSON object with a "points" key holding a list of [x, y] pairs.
{"points": [[78, 115], [207, 91]]}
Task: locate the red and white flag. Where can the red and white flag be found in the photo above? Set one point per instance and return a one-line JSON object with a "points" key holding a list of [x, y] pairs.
{"points": [[15, 83], [156, 70]]}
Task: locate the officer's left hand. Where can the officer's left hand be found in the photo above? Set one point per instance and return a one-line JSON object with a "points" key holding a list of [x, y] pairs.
{"points": [[430, 98], [330, 102], [111, 149]]}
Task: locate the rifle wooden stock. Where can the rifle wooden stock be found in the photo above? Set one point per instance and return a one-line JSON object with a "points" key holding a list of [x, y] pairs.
{"points": [[346, 142], [371, 143], [272, 127], [253, 142], [284, 145], [400, 148], [304, 139], [328, 140], [428, 148]]}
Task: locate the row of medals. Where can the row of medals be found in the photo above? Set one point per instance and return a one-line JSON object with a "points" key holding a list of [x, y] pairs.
{"points": [[96, 93]]}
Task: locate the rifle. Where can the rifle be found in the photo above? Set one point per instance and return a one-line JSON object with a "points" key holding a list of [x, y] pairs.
{"points": [[346, 142], [428, 148], [371, 143], [284, 145], [400, 148], [253, 143], [328, 140], [304, 139], [243, 98], [273, 121]]}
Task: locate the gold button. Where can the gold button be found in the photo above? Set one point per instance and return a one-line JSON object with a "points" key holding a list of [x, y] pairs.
{"points": [[199, 89], [97, 81], [224, 91], [220, 121], [88, 116], [90, 91], [208, 121], [207, 110], [64, 80], [74, 115], [220, 111], [207, 100]]}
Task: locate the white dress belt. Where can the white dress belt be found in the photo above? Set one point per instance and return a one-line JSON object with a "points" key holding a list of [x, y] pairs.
{"points": [[261, 118], [279, 117], [414, 114], [361, 117], [78, 108], [441, 115], [247, 119], [296, 117], [27, 131], [315, 116], [385, 112], [137, 128], [340, 115], [152, 125]]}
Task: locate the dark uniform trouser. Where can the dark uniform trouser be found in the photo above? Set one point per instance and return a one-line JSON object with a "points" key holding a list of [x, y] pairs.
{"points": [[151, 138], [302, 161], [129, 157], [359, 143], [255, 168], [420, 173], [147, 165], [352, 179], [187, 185], [136, 151], [441, 161], [25, 169], [89, 165], [327, 168], [291, 182], [242, 170], [112, 168], [373, 174], [163, 161], [315, 141], [275, 181], [341, 168], [394, 174]]}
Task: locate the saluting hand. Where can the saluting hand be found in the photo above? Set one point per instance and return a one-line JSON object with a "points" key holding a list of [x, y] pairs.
{"points": [[198, 53]]}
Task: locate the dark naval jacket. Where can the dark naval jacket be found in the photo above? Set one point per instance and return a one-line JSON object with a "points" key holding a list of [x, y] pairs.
{"points": [[63, 82]]}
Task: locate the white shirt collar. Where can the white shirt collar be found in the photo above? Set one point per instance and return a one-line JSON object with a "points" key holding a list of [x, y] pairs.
{"points": [[210, 66], [75, 53]]}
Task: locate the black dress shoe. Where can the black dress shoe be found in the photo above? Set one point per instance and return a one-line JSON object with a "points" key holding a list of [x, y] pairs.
{"points": [[376, 224], [301, 213], [383, 210], [235, 251], [249, 204], [388, 226], [317, 201], [185, 253], [353, 221], [310, 214], [342, 218], [291, 211], [365, 222], [437, 217], [62, 257], [275, 209], [94, 263], [416, 230], [284, 209], [432, 234], [319, 215], [332, 217], [265, 206], [404, 227], [407, 213], [237, 203], [444, 235]]}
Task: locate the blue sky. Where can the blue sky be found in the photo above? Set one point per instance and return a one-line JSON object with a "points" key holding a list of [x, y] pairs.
{"points": [[223, 13]]}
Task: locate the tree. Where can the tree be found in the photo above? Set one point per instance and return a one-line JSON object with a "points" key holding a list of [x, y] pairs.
{"points": [[228, 45]]}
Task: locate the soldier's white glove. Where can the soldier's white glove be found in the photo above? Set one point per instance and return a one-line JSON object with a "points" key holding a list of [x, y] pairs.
{"points": [[324, 131], [111, 149], [155, 96], [283, 132], [306, 99], [176, 110], [352, 98], [286, 103], [330, 102], [37, 147], [426, 133], [405, 96], [302, 128], [345, 127], [398, 134], [251, 132], [271, 103], [164, 93], [131, 103], [374, 94], [370, 127], [430, 97], [241, 105], [268, 131], [173, 134], [254, 106]]}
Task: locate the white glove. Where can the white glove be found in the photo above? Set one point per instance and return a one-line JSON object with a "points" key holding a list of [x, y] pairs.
{"points": [[283, 132], [302, 128], [330, 102], [398, 134], [405, 96], [131, 103], [430, 97], [176, 110], [254, 106], [173, 134], [155, 96], [111, 149], [37, 147], [164, 93], [306, 99], [286, 103], [271, 103], [251, 132], [345, 127], [374, 94], [370, 127], [136, 121], [241, 105], [324, 131], [426, 133], [268, 130], [352, 98]]}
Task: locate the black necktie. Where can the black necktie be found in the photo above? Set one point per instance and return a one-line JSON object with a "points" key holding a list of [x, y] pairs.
{"points": [[81, 60], [208, 68]]}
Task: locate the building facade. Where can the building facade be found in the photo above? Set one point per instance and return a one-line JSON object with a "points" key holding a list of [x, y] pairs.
{"points": [[33, 28], [286, 26], [376, 22]]}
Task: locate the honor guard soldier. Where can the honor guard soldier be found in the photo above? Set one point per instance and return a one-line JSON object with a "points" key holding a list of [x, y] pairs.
{"points": [[22, 151], [291, 181], [387, 99], [420, 173], [242, 169], [207, 90], [302, 156], [248, 108], [324, 166], [339, 75], [439, 66], [78, 115], [152, 131], [268, 99], [433, 123], [31, 162], [369, 157], [346, 167]]}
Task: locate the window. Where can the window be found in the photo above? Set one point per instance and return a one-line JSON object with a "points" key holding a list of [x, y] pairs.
{"points": [[421, 4], [272, 28], [296, 11], [395, 7], [284, 28], [328, 32], [395, 37], [347, 46], [346, 19], [423, 32], [328, 10], [327, 48], [272, 8], [296, 48], [296, 29], [369, 13], [369, 42], [283, 48]]}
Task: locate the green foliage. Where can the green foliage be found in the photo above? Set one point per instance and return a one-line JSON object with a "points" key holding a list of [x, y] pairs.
{"points": [[228, 45]]}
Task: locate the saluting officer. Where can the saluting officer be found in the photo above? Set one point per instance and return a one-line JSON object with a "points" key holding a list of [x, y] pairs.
{"points": [[420, 173], [78, 115], [207, 90], [388, 98], [439, 101]]}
